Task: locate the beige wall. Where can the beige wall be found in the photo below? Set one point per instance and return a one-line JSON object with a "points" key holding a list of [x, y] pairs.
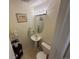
{"points": [[49, 19], [17, 6]]}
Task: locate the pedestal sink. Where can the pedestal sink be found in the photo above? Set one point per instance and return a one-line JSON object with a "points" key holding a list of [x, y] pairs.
{"points": [[36, 38]]}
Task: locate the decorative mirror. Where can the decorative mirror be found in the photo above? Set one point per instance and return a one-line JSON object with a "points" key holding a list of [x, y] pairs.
{"points": [[39, 24]]}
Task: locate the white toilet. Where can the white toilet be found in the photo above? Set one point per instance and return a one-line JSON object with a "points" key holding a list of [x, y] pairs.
{"points": [[43, 54]]}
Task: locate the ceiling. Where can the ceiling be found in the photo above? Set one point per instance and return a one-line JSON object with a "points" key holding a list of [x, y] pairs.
{"points": [[35, 2], [32, 0]]}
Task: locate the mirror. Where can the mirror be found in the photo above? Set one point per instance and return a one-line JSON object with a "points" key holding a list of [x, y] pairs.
{"points": [[39, 23]]}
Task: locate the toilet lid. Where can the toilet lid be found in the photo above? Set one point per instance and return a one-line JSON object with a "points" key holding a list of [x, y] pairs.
{"points": [[41, 55]]}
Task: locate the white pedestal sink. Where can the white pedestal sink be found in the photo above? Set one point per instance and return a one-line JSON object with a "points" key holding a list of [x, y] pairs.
{"points": [[36, 38]]}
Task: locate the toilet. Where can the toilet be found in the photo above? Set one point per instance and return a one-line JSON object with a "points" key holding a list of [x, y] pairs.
{"points": [[43, 54]]}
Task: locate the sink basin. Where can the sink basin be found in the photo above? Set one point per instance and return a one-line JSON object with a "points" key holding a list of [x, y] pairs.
{"points": [[36, 37]]}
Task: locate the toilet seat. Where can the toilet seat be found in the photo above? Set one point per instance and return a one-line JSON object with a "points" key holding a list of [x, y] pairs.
{"points": [[41, 55]]}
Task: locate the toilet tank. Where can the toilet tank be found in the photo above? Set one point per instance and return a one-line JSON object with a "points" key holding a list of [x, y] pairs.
{"points": [[46, 47]]}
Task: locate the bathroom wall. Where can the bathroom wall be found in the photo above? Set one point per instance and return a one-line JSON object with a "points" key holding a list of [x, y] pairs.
{"points": [[52, 7], [63, 27], [62, 36], [18, 6], [50, 21]]}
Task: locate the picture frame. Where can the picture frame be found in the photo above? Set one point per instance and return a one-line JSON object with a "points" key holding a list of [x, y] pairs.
{"points": [[21, 17]]}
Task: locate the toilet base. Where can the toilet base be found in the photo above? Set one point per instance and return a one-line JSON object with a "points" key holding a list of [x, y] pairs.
{"points": [[41, 55]]}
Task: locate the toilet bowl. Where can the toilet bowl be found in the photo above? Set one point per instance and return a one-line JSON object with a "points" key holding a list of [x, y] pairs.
{"points": [[43, 54]]}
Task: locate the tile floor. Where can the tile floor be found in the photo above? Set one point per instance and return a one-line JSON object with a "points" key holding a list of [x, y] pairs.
{"points": [[30, 53]]}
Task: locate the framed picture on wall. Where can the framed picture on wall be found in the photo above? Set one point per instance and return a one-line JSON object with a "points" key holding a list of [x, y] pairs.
{"points": [[21, 17]]}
